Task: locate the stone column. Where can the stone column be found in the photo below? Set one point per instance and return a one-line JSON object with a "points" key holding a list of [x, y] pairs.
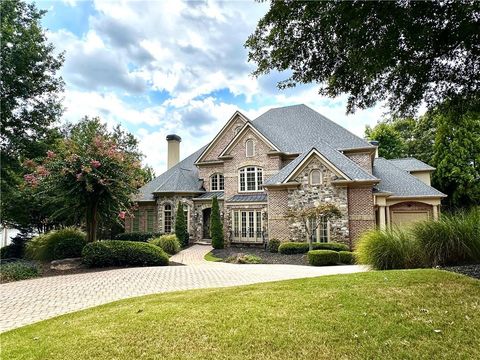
{"points": [[387, 209], [435, 212]]}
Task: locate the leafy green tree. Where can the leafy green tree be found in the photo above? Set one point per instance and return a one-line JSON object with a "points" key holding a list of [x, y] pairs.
{"points": [[181, 226], [391, 144], [401, 52], [216, 226], [457, 157], [30, 102], [92, 174]]}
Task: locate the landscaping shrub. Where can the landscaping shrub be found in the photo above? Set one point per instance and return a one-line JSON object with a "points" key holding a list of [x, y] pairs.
{"points": [[16, 249], [390, 249], [216, 226], [346, 257], [168, 243], [56, 244], [181, 226], [244, 259], [289, 248], [273, 245], [453, 239], [323, 257], [137, 236], [18, 270], [123, 253], [330, 246]]}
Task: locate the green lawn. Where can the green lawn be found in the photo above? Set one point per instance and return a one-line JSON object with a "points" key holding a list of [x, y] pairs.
{"points": [[410, 314], [210, 257]]}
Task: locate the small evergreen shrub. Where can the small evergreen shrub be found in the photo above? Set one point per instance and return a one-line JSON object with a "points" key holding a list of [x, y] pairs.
{"points": [[18, 270], [56, 245], [16, 249], [453, 239], [137, 236], [273, 245], [216, 226], [323, 257], [243, 259], [346, 257], [289, 248], [181, 226], [123, 253], [390, 248], [168, 243]]}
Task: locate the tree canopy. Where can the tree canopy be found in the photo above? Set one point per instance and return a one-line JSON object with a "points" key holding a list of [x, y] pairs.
{"points": [[402, 52]]}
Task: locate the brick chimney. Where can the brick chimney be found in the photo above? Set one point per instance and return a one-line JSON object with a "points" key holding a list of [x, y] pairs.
{"points": [[173, 150]]}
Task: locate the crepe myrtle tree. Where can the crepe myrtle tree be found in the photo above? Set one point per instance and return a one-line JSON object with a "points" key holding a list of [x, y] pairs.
{"points": [[93, 173], [312, 216]]}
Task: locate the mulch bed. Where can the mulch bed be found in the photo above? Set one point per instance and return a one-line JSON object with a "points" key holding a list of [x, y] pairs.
{"points": [[267, 257], [469, 270]]}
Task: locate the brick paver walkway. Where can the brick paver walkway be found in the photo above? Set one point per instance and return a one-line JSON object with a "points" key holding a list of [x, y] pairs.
{"points": [[29, 301]]}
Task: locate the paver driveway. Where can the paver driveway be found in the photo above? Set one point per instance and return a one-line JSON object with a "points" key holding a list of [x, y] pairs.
{"points": [[29, 301]]}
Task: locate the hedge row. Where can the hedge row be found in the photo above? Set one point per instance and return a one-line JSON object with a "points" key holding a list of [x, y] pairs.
{"points": [[288, 248], [330, 257], [123, 253]]}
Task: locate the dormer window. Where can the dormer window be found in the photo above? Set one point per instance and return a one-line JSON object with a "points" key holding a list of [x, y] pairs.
{"points": [[250, 179], [315, 177], [217, 182], [249, 148]]}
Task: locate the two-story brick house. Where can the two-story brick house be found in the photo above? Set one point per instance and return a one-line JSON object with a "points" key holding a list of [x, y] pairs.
{"points": [[287, 158]]}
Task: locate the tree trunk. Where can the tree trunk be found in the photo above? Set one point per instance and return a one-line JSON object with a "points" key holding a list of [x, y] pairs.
{"points": [[92, 221]]}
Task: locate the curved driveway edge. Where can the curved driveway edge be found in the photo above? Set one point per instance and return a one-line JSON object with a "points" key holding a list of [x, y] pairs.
{"points": [[28, 301]]}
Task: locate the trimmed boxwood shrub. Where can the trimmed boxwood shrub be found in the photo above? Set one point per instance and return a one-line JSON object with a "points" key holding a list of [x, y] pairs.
{"points": [[137, 236], [56, 245], [289, 248], [346, 257], [323, 257], [168, 243], [18, 270], [273, 245], [123, 253]]}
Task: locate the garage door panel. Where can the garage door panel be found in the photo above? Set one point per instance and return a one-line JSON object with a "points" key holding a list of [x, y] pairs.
{"points": [[408, 217]]}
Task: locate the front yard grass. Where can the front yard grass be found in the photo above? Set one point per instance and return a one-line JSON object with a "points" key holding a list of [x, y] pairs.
{"points": [[406, 314], [210, 257]]}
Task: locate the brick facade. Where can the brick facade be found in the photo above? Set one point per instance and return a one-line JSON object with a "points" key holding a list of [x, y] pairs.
{"points": [[360, 211], [362, 159]]}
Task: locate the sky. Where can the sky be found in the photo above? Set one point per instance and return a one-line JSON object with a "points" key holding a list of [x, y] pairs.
{"points": [[171, 67]]}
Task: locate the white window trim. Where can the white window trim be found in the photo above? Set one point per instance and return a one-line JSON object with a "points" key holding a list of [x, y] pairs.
{"points": [[163, 217], [311, 178], [246, 148], [245, 177], [217, 175]]}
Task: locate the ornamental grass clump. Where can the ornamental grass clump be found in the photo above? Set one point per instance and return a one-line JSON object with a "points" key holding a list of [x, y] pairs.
{"points": [[390, 248], [56, 244], [168, 243], [453, 239]]}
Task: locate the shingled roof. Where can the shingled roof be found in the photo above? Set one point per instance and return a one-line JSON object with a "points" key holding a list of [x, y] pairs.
{"points": [[400, 182], [182, 177], [411, 164]]}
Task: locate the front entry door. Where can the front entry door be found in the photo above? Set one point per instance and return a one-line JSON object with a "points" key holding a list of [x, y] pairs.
{"points": [[247, 226], [206, 223]]}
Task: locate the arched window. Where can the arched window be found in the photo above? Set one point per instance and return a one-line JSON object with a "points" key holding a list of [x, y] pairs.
{"points": [[167, 218], [249, 148], [250, 179], [217, 182], [315, 177]]}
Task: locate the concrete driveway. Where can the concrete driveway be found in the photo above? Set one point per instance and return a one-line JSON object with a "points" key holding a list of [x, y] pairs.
{"points": [[28, 301]]}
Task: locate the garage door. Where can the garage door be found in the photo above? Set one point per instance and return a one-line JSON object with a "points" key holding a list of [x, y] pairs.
{"points": [[408, 217]]}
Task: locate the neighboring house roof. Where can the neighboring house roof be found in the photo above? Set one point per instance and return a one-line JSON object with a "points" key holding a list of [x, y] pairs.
{"points": [[400, 182], [249, 198], [296, 129], [182, 177], [342, 163], [209, 195], [411, 164]]}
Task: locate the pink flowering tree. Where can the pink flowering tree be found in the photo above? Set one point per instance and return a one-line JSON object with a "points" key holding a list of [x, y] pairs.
{"points": [[92, 173]]}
